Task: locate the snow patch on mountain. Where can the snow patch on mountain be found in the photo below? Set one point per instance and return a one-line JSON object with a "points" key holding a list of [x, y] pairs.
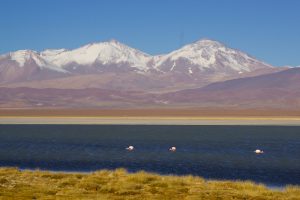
{"points": [[111, 52], [48, 53], [173, 66], [22, 56]]}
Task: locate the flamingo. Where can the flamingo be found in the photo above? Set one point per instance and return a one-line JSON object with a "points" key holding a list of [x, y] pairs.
{"points": [[130, 148], [172, 149], [258, 151]]}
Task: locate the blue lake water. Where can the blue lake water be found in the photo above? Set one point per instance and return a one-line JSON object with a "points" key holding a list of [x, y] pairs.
{"points": [[215, 152]]}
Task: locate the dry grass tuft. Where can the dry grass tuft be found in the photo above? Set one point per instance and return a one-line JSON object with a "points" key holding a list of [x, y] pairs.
{"points": [[119, 184]]}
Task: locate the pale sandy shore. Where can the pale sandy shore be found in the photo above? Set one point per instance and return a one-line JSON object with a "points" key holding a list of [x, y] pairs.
{"points": [[287, 121]]}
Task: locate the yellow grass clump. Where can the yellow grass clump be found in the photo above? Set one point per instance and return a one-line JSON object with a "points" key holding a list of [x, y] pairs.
{"points": [[119, 184]]}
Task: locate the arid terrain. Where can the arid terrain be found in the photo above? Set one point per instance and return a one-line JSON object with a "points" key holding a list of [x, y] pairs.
{"points": [[151, 116], [155, 112], [278, 91]]}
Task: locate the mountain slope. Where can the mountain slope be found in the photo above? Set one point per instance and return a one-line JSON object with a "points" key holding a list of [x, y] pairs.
{"points": [[69, 98], [280, 90], [26, 65]]}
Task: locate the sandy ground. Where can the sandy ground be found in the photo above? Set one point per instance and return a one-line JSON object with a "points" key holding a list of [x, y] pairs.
{"points": [[151, 116], [152, 112], [293, 121]]}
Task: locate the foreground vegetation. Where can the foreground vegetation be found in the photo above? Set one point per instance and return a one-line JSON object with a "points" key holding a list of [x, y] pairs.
{"points": [[119, 184]]}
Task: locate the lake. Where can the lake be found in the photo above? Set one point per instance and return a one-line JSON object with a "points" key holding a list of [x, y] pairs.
{"points": [[213, 152]]}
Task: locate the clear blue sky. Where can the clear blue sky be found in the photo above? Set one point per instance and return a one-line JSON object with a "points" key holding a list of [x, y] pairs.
{"points": [[266, 29]]}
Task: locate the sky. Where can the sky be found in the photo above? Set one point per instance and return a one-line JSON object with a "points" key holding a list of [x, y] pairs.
{"points": [[266, 29]]}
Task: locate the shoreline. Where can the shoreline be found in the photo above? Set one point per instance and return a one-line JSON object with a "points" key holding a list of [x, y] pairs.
{"points": [[120, 184], [151, 120], [275, 187]]}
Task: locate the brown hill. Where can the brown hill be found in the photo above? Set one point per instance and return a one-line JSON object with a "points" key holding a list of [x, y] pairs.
{"points": [[280, 90]]}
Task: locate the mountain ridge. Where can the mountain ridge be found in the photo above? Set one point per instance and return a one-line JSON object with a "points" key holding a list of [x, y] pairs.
{"points": [[48, 53], [280, 90], [119, 66]]}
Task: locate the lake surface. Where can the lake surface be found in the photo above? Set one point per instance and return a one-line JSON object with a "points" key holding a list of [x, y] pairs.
{"points": [[216, 152]]}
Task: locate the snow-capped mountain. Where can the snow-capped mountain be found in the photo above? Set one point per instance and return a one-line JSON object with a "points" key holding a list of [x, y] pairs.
{"points": [[26, 65], [105, 53], [208, 55], [22, 58], [114, 65]]}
